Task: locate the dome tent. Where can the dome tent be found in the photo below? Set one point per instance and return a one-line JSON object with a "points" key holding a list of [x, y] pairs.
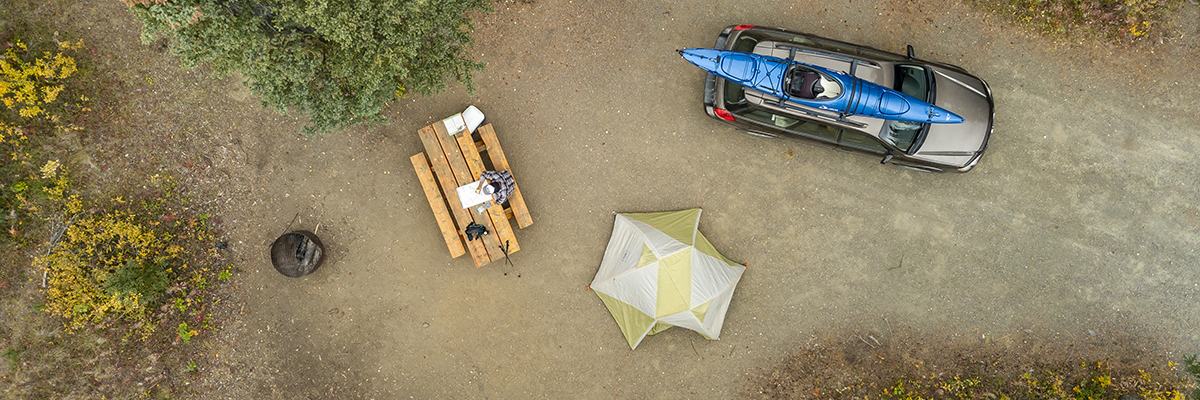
{"points": [[659, 271]]}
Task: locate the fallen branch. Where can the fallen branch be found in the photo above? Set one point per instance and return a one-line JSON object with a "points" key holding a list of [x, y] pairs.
{"points": [[56, 233]]}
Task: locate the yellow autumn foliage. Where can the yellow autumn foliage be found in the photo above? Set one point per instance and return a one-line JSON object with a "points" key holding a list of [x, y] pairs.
{"points": [[27, 87], [109, 264], [92, 249]]}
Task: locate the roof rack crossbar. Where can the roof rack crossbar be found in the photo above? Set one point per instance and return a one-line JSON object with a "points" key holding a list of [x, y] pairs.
{"points": [[793, 49]]}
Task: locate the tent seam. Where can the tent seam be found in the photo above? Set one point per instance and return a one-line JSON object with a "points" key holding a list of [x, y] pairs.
{"points": [[696, 227], [644, 334], [730, 288]]}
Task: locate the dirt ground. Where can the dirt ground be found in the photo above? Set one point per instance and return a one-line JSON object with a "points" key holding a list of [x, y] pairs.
{"points": [[1077, 231]]}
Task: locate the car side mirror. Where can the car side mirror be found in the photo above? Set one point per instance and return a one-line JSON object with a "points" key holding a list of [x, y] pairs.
{"points": [[887, 158], [911, 54]]}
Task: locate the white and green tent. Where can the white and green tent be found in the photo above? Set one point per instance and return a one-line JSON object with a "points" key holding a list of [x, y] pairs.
{"points": [[659, 271]]}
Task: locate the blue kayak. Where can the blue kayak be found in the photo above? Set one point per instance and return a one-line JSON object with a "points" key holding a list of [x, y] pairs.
{"points": [[816, 86]]}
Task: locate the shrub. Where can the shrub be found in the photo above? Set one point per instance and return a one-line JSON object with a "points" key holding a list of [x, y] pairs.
{"points": [[340, 61], [108, 264], [137, 278], [1192, 368], [37, 102], [28, 85], [185, 332]]}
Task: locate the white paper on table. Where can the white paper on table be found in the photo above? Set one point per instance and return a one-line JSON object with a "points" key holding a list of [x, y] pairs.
{"points": [[468, 197], [455, 124]]}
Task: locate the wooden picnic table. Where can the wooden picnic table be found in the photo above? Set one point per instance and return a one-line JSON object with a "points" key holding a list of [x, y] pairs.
{"points": [[455, 159]]}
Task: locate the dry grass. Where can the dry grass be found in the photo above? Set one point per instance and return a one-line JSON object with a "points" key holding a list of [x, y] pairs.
{"points": [[1114, 20], [109, 356], [907, 364]]}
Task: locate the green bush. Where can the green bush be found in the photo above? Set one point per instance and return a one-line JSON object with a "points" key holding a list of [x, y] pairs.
{"points": [[340, 61], [145, 280], [1192, 368]]}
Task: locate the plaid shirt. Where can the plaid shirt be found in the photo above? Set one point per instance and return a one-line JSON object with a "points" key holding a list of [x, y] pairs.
{"points": [[506, 182]]}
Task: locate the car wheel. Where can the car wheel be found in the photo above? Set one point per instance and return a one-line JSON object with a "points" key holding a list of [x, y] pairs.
{"points": [[760, 134]]}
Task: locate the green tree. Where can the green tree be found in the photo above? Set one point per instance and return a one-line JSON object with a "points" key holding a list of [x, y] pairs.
{"points": [[339, 61]]}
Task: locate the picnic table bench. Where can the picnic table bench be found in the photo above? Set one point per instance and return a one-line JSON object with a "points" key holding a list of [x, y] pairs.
{"points": [[453, 159]]}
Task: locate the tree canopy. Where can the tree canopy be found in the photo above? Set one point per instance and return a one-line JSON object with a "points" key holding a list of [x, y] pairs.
{"points": [[339, 61]]}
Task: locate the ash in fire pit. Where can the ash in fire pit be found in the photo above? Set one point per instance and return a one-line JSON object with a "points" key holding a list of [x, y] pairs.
{"points": [[297, 253]]}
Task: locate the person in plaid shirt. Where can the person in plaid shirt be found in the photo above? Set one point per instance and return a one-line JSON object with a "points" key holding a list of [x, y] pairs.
{"points": [[501, 182]]}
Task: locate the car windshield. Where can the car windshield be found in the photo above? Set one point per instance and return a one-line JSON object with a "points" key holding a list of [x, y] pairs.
{"points": [[911, 80]]}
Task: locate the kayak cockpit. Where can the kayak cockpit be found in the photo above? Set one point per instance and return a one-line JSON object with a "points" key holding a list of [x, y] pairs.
{"points": [[808, 83]]}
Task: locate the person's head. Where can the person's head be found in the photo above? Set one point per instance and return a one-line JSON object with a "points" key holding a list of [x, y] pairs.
{"points": [[491, 188]]}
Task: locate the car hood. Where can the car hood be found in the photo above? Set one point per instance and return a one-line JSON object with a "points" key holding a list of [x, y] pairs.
{"points": [[957, 144]]}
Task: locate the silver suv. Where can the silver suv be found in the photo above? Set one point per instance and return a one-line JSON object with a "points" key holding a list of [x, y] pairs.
{"points": [[922, 147]]}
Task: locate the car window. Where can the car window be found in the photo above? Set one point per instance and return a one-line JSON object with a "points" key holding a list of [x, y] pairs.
{"points": [[850, 49], [913, 81], [785, 122], [880, 55], [816, 130], [775, 36], [837, 46], [744, 43], [735, 97], [768, 118], [735, 102], [860, 141], [822, 43], [901, 134], [801, 40]]}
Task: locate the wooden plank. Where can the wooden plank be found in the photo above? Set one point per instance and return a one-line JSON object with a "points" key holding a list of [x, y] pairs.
{"points": [[438, 203], [496, 154], [446, 177], [437, 158], [499, 224], [453, 154], [462, 173]]}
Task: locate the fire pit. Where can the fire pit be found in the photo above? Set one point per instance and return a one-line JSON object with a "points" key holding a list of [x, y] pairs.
{"points": [[297, 253]]}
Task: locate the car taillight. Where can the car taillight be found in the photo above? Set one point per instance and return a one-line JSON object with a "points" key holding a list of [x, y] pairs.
{"points": [[725, 115], [742, 27]]}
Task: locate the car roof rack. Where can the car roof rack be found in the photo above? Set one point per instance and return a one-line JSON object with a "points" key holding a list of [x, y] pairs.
{"points": [[854, 62], [840, 117]]}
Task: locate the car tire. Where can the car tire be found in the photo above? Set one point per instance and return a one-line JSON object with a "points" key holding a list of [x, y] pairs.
{"points": [[761, 134]]}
